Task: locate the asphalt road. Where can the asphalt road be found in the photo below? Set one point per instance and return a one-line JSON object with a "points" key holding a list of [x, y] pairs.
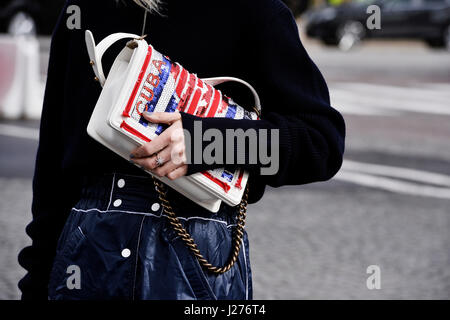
{"points": [[389, 205]]}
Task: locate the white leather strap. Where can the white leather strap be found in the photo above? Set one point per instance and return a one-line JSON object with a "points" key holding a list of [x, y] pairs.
{"points": [[218, 80], [96, 51]]}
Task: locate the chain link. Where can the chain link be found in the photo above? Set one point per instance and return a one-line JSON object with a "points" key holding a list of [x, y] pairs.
{"points": [[190, 243]]}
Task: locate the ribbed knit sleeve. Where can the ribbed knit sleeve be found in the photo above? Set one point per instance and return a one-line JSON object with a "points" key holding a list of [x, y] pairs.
{"points": [[295, 101]]}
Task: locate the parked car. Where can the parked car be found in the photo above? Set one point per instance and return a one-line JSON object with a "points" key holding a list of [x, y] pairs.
{"points": [[29, 16], [345, 25]]}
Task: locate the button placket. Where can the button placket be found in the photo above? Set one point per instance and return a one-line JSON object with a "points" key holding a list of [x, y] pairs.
{"points": [[120, 184]]}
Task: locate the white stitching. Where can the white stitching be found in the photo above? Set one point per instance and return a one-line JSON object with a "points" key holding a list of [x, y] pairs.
{"points": [[112, 189], [151, 215], [246, 270], [106, 211]]}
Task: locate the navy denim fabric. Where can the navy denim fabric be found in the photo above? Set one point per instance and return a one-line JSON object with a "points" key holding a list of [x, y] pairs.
{"points": [[125, 248]]}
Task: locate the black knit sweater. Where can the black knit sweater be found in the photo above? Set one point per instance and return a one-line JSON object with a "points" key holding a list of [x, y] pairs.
{"points": [[256, 41]]}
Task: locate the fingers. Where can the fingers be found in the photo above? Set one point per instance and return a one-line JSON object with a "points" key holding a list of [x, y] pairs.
{"points": [[178, 153], [177, 173], [150, 163], [169, 147], [176, 159], [162, 117], [150, 148], [172, 134], [172, 170], [165, 169]]}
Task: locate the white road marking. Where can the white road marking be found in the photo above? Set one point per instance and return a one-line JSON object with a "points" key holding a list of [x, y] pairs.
{"points": [[398, 172], [393, 185], [19, 132], [438, 94], [383, 101], [375, 99], [344, 103], [439, 86], [348, 102], [421, 183]]}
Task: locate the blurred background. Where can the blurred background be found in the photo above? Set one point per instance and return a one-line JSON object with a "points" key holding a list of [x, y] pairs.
{"points": [[388, 207]]}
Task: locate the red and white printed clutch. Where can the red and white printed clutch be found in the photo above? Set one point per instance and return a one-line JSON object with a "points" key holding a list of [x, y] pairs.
{"points": [[142, 79]]}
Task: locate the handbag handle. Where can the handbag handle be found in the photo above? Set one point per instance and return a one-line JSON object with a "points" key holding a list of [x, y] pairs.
{"points": [[96, 53], [218, 80]]}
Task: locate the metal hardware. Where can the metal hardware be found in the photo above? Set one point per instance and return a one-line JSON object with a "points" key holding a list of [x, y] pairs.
{"points": [[141, 37], [258, 112], [132, 44]]}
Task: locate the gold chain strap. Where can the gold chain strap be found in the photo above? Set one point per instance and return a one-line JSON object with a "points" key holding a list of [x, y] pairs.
{"points": [[187, 239]]}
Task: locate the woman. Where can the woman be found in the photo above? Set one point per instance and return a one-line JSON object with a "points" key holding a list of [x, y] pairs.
{"points": [[114, 241]]}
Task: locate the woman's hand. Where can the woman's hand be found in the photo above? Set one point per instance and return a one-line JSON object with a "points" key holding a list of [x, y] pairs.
{"points": [[164, 156]]}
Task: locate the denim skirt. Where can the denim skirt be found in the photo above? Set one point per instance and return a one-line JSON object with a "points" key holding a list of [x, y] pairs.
{"points": [[117, 243]]}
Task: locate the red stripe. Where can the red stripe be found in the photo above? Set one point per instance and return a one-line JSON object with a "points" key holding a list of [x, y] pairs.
{"points": [[194, 102], [239, 180], [187, 94], [215, 104], [222, 184], [175, 71], [201, 112], [133, 131], [126, 112], [181, 82]]}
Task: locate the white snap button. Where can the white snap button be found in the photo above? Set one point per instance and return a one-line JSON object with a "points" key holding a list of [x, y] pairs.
{"points": [[126, 253], [121, 183], [155, 207], [117, 203]]}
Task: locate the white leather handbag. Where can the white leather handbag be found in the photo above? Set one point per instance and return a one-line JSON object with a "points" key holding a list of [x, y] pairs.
{"points": [[142, 79]]}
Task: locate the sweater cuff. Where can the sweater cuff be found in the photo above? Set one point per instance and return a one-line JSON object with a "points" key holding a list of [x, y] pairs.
{"points": [[188, 121], [195, 145]]}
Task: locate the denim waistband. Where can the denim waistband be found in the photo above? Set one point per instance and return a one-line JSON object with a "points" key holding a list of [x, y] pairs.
{"points": [[137, 194]]}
